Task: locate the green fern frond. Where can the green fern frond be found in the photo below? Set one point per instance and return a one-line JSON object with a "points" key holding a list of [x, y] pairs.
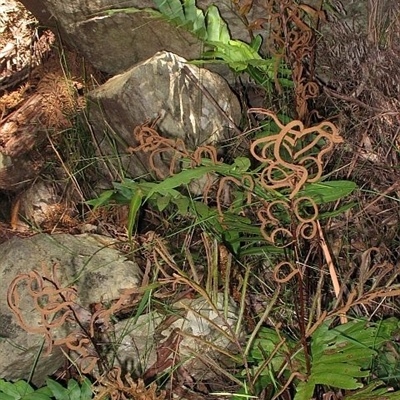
{"points": [[344, 354], [213, 31]]}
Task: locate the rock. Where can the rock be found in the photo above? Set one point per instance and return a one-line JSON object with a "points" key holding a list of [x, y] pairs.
{"points": [[192, 332], [98, 272], [148, 345], [38, 202], [115, 42], [193, 104]]}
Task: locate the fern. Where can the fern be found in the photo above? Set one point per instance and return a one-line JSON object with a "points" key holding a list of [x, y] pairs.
{"points": [[22, 390], [341, 358], [213, 31], [208, 27], [343, 355], [373, 391]]}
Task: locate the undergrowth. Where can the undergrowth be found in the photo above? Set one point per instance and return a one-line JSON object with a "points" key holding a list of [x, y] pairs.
{"points": [[256, 227]]}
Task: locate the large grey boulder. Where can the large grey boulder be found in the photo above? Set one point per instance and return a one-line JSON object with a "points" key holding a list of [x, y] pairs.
{"points": [[193, 334], [191, 103], [87, 262], [196, 334], [114, 42]]}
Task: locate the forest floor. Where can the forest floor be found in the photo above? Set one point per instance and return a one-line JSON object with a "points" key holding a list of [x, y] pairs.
{"points": [[360, 96]]}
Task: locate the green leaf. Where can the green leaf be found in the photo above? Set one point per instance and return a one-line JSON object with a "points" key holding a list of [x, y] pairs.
{"points": [[126, 188], [342, 355], [229, 237], [360, 356], [304, 391], [182, 202], [259, 250], [23, 388], [4, 396], [202, 210], [163, 202], [45, 392], [256, 43], [182, 178], [86, 390], [171, 9], [337, 380], [372, 391], [338, 211], [325, 192], [103, 199], [326, 371], [59, 391], [238, 55], [241, 165], [134, 206], [74, 390], [8, 389], [37, 396], [217, 30], [195, 19]]}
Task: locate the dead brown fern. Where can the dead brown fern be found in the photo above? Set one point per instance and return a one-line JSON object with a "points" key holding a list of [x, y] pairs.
{"points": [[292, 158], [59, 101], [150, 141], [51, 302], [174, 150], [102, 316], [367, 281], [292, 38], [289, 153], [112, 386], [55, 305]]}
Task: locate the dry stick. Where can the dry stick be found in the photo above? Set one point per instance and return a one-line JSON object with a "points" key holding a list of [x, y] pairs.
{"points": [[360, 103], [390, 189], [15, 222], [67, 171], [332, 271], [206, 93]]}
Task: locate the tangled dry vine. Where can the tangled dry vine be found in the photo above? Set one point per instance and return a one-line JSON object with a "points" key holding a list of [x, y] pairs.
{"points": [[292, 39]]}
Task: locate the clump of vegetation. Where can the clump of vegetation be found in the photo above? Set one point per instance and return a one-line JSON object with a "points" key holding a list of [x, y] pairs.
{"points": [[21, 390]]}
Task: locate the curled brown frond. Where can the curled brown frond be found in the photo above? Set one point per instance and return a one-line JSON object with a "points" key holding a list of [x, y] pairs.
{"points": [[102, 316], [168, 150], [112, 385], [282, 276], [51, 302], [293, 157], [55, 305], [292, 38]]}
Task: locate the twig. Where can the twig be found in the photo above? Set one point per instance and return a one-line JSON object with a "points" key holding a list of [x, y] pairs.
{"points": [[332, 270], [206, 93], [354, 100]]}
